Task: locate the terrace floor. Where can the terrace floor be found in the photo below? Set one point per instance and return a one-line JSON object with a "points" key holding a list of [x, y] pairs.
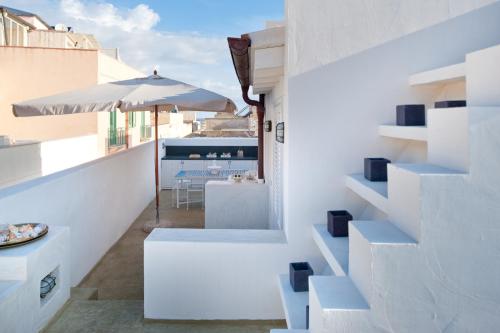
{"points": [[110, 298]]}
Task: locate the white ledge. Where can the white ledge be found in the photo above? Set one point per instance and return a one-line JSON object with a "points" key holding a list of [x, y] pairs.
{"points": [[334, 249], [294, 303], [439, 75], [418, 133], [373, 192], [216, 236]]}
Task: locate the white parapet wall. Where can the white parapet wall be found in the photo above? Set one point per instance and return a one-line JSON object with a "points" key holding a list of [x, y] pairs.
{"points": [[62, 154], [19, 161], [213, 274], [98, 200]]}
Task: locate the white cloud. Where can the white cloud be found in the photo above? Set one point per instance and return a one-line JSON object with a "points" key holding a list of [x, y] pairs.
{"points": [[140, 18], [192, 57]]}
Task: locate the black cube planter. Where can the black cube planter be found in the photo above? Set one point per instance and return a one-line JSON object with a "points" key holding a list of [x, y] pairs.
{"points": [[307, 317], [450, 104], [338, 221], [376, 169], [299, 275], [410, 115]]}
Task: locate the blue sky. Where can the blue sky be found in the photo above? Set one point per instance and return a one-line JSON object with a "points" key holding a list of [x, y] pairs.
{"points": [[183, 39], [218, 17]]}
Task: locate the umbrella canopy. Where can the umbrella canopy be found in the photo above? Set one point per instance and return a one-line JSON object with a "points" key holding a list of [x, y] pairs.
{"points": [[141, 94], [152, 93]]}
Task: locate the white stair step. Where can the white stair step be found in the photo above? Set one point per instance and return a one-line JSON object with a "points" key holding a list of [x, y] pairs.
{"points": [[404, 192], [365, 236], [334, 249], [426, 169], [373, 192], [294, 303], [439, 75], [448, 137], [336, 303], [418, 133], [381, 232]]}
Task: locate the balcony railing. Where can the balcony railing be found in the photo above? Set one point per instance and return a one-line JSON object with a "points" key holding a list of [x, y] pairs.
{"points": [[145, 132], [116, 137]]}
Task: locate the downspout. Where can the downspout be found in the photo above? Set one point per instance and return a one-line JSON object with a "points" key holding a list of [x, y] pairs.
{"points": [[239, 53], [261, 110]]}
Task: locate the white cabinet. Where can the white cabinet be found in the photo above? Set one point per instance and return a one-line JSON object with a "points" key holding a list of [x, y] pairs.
{"points": [[169, 169]]}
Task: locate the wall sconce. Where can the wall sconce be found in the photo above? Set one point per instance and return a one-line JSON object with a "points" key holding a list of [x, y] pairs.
{"points": [[280, 132], [268, 126]]}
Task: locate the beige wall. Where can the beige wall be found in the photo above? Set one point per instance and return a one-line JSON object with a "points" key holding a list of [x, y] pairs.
{"points": [[45, 38], [109, 70], [35, 72]]}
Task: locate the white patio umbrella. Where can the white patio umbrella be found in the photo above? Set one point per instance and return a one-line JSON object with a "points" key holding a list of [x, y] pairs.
{"points": [[153, 93]]}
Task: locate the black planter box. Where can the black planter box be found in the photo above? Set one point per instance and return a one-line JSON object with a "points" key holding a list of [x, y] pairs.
{"points": [[376, 169], [338, 221], [450, 104], [410, 115], [299, 275], [307, 317]]}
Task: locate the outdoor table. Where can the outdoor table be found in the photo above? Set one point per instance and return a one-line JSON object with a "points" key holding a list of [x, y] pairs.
{"points": [[203, 176]]}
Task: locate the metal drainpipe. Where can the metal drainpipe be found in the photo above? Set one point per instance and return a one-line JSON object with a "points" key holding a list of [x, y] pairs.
{"points": [[261, 109]]}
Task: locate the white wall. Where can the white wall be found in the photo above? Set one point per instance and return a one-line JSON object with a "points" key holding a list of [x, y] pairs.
{"points": [[98, 201], [328, 30], [63, 154], [213, 274]]}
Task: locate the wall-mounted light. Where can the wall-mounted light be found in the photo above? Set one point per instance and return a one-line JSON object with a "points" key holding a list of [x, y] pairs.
{"points": [[268, 126], [280, 132]]}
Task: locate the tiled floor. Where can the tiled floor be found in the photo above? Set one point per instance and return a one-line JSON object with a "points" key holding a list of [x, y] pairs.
{"points": [[119, 281], [126, 317]]}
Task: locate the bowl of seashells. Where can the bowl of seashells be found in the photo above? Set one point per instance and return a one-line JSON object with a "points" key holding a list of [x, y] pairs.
{"points": [[19, 234]]}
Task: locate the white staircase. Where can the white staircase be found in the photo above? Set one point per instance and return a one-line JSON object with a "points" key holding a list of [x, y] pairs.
{"points": [[432, 266]]}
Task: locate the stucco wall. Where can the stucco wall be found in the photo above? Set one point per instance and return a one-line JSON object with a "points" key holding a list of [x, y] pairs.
{"points": [[35, 72], [333, 115], [327, 30]]}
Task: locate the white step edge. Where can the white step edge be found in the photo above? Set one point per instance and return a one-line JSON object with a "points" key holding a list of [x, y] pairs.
{"points": [[427, 169], [337, 293], [439, 75], [373, 192], [334, 249], [381, 233], [418, 133], [294, 303]]}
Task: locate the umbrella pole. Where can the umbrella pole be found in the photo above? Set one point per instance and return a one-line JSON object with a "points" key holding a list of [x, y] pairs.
{"points": [[156, 168]]}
